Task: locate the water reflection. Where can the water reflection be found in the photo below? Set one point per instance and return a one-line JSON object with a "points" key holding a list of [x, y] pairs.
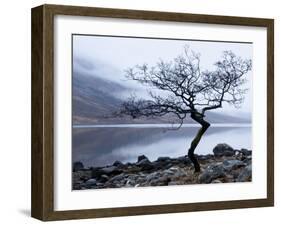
{"points": [[102, 146]]}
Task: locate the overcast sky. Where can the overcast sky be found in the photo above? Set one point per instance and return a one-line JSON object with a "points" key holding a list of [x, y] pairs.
{"points": [[108, 57]]}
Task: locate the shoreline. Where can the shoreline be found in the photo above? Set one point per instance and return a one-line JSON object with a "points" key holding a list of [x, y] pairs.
{"points": [[225, 165]]}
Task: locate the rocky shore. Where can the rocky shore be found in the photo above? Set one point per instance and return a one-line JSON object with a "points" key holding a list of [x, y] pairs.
{"points": [[223, 166]]}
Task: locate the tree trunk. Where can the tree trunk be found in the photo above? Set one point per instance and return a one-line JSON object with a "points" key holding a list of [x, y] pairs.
{"points": [[205, 125]]}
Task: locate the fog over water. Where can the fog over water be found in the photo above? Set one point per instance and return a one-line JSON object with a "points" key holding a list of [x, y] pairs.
{"points": [[102, 146]]}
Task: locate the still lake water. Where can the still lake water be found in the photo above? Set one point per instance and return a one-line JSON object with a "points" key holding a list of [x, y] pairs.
{"points": [[101, 145]]}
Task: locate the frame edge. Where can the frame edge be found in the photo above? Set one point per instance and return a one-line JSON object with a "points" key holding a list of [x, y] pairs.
{"points": [[42, 200], [37, 189], [270, 112]]}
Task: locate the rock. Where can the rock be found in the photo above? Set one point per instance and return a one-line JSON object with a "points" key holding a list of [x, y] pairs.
{"points": [[110, 170], [142, 157], [223, 150], [233, 164], [82, 175], [128, 164], [245, 175], [161, 181], [184, 159], [246, 152], [248, 160], [96, 172], [174, 183], [169, 165], [130, 183], [204, 157], [77, 166], [163, 159], [179, 173], [119, 177], [77, 186], [118, 164], [145, 164], [91, 182], [212, 172], [225, 165], [103, 178], [85, 177], [152, 176], [235, 173], [159, 165], [170, 171]]}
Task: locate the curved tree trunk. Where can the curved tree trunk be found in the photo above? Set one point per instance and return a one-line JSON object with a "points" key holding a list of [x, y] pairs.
{"points": [[205, 125]]}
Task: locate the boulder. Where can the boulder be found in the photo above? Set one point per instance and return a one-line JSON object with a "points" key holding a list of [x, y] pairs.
{"points": [[161, 181], [145, 164], [211, 173], [248, 160], [245, 175], [152, 176], [77, 166], [204, 157], [223, 150], [96, 172], [142, 157], [163, 159], [91, 182], [159, 165], [118, 164], [246, 152], [174, 172], [184, 160], [110, 170], [119, 177], [103, 178], [232, 164]]}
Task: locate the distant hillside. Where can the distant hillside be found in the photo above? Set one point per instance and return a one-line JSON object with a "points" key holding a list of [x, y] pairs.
{"points": [[95, 99]]}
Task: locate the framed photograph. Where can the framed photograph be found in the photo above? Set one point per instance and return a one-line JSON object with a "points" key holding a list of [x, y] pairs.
{"points": [[142, 112]]}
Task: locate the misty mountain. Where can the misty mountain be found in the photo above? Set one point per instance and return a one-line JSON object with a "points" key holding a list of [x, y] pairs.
{"points": [[94, 99]]}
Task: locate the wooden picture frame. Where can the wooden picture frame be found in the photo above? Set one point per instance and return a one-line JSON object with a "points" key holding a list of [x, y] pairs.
{"points": [[43, 111]]}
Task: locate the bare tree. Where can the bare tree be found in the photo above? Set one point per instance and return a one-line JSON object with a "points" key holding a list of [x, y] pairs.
{"points": [[185, 90]]}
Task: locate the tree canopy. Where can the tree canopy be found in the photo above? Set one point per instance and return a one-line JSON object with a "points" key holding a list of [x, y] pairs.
{"points": [[187, 88], [182, 88]]}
